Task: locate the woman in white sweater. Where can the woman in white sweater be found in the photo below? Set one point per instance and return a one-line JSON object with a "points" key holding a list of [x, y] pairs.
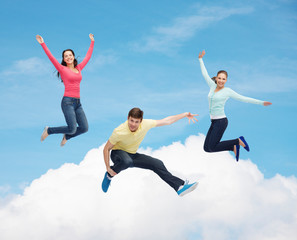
{"points": [[217, 97]]}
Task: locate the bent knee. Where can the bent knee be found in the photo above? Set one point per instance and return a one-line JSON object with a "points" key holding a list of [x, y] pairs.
{"points": [[207, 149], [127, 164], [72, 130], [85, 129]]}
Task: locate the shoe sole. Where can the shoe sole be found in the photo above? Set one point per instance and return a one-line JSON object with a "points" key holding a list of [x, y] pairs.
{"points": [[189, 190], [103, 185]]}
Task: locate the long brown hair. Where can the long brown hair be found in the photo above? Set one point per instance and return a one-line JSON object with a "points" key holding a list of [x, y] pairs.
{"points": [[64, 63]]}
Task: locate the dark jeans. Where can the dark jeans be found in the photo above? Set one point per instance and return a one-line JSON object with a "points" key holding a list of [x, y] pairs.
{"points": [[74, 114], [123, 160], [214, 135]]}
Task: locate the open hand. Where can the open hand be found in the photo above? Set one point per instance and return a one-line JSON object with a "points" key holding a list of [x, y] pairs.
{"points": [[39, 39], [191, 116], [201, 54], [91, 37]]}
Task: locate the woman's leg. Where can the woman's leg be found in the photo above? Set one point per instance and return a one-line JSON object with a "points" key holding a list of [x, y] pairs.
{"points": [[81, 119], [70, 117], [207, 139], [214, 143]]}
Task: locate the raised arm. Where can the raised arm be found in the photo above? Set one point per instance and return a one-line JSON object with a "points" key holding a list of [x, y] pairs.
{"points": [[208, 80], [89, 53], [54, 61], [172, 119], [106, 153]]}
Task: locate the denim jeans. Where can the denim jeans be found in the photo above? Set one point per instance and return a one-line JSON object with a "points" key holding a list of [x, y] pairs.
{"points": [[123, 160], [214, 135], [74, 115]]}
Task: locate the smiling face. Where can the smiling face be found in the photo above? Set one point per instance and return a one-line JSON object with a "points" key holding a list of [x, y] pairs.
{"points": [[221, 79], [68, 57], [133, 123]]}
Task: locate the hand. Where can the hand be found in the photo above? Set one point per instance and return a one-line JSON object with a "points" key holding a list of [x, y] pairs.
{"points": [[91, 37], [39, 39], [201, 54], [267, 103], [191, 116], [111, 172]]}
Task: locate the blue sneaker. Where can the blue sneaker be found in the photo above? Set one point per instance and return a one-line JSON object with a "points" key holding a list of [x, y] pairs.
{"points": [[106, 182], [186, 188], [245, 143], [237, 152]]}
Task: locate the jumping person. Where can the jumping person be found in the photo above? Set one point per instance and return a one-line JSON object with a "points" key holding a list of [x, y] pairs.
{"points": [[217, 97], [124, 142], [70, 72]]}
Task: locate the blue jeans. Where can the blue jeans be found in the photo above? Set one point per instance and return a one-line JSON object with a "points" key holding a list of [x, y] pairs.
{"points": [[123, 160], [74, 114], [214, 135]]}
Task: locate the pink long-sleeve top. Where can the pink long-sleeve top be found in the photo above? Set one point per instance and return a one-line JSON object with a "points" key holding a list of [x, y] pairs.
{"points": [[70, 79]]}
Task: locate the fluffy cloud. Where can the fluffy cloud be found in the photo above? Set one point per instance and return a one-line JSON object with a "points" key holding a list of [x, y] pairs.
{"points": [[233, 201]]}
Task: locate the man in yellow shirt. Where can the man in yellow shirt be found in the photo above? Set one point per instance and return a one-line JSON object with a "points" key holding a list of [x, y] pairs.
{"points": [[124, 143]]}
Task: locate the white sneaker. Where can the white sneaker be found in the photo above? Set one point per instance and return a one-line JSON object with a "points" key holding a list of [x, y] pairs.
{"points": [[64, 140], [44, 134]]}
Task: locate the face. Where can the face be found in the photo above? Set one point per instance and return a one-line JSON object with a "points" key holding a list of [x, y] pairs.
{"points": [[133, 123], [68, 57], [221, 80]]}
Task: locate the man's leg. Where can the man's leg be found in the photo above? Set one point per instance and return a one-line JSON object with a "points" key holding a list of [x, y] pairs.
{"points": [[147, 162], [121, 161]]}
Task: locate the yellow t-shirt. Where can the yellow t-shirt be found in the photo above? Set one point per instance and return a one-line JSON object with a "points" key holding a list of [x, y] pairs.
{"points": [[123, 139]]}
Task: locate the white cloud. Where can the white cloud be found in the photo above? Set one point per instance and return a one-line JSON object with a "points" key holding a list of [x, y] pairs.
{"points": [[233, 201], [33, 65], [163, 39]]}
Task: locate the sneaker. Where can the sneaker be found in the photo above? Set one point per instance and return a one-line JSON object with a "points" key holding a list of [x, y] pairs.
{"points": [[106, 182], [64, 140], [44, 134], [186, 188]]}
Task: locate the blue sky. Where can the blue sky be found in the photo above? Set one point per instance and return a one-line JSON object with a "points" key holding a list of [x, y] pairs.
{"points": [[145, 55]]}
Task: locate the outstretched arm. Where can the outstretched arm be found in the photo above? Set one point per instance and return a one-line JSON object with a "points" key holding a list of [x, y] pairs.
{"points": [[242, 98], [208, 80], [54, 61], [106, 151], [89, 53], [172, 119]]}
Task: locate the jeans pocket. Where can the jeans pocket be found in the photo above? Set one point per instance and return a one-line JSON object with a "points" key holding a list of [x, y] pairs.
{"points": [[66, 101]]}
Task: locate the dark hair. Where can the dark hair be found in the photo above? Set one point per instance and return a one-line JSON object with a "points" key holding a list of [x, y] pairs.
{"points": [[221, 71], [64, 63], [136, 113]]}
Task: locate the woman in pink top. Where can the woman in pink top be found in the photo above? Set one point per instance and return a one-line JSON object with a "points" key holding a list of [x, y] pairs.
{"points": [[70, 73]]}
